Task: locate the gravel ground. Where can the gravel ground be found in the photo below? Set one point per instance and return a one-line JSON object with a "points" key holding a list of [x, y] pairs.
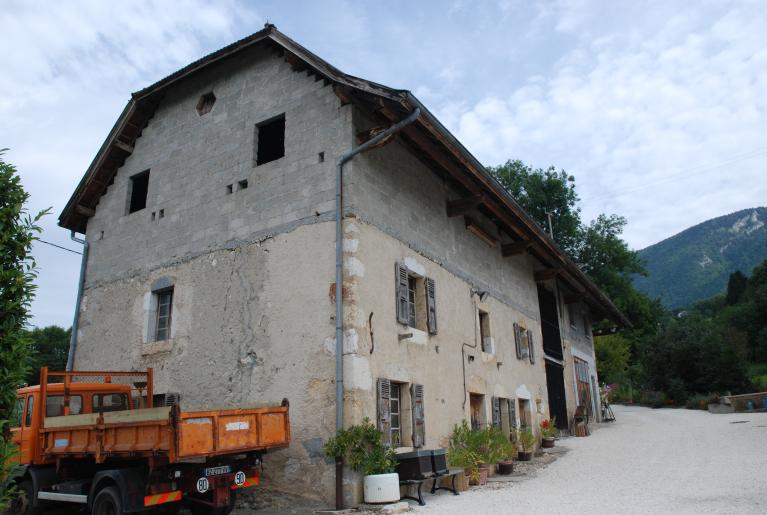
{"points": [[649, 461]]}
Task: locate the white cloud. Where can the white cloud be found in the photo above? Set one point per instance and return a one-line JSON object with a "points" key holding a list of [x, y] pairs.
{"points": [[626, 110]]}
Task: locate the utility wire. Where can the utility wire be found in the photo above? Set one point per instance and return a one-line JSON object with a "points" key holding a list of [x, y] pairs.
{"points": [[60, 247], [686, 173]]}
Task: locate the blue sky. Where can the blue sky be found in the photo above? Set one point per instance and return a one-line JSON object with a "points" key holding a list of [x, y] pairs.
{"points": [[658, 108]]}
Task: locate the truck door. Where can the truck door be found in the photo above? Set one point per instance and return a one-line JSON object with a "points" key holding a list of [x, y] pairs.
{"points": [[27, 431], [17, 429]]}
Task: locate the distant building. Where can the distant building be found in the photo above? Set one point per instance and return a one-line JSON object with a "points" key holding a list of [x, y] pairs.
{"points": [[210, 216]]}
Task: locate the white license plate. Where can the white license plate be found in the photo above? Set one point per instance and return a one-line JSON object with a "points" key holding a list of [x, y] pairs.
{"points": [[217, 471]]}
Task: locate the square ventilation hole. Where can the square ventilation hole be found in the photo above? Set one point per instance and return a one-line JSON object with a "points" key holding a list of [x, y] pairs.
{"points": [[241, 185]]}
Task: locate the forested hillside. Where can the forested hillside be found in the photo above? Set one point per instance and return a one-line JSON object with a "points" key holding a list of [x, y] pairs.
{"points": [[696, 263]]}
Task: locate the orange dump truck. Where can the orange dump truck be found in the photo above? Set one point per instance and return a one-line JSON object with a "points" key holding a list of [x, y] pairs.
{"points": [[97, 439]]}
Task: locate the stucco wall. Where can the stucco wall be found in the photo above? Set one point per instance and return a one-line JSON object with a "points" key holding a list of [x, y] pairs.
{"points": [[434, 361], [249, 327]]}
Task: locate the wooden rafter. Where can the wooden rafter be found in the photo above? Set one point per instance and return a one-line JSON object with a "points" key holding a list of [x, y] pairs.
{"points": [[546, 274], [464, 205], [518, 247], [478, 231]]}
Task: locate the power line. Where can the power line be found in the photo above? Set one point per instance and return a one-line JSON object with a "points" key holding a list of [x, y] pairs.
{"points": [[60, 247], [690, 171]]}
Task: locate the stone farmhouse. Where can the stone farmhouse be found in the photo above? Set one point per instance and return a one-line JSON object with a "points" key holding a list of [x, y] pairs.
{"points": [[209, 215]]}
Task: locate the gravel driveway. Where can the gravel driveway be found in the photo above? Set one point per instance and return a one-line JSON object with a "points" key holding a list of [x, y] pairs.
{"points": [[649, 461]]}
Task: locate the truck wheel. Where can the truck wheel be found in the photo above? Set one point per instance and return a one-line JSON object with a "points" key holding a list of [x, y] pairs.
{"points": [[107, 502], [21, 504], [201, 509]]}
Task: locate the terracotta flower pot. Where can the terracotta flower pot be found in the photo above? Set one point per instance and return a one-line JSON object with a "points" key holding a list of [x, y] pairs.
{"points": [[547, 443], [483, 474]]}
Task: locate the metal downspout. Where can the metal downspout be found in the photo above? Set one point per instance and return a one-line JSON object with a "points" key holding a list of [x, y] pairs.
{"points": [[339, 281], [81, 282]]}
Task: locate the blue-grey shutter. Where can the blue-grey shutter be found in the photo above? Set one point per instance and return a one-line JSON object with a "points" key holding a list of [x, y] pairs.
{"points": [[496, 412], [512, 413], [419, 423], [431, 305], [530, 346], [384, 410], [403, 306], [518, 340]]}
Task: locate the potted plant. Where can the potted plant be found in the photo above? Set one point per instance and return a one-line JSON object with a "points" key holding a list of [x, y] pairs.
{"points": [[526, 442], [360, 447], [506, 463], [548, 432], [466, 451]]}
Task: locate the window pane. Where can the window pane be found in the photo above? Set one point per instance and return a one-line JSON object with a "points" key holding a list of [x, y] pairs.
{"points": [[30, 408], [18, 412]]}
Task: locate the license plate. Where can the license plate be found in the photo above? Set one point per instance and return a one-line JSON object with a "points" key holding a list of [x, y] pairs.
{"points": [[217, 471]]}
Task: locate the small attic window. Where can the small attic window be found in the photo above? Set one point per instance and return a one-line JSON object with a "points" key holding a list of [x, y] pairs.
{"points": [[270, 140], [205, 104], [139, 187]]}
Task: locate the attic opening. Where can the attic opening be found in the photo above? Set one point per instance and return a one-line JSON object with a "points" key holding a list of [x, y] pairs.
{"points": [[270, 140], [205, 104], [139, 187]]}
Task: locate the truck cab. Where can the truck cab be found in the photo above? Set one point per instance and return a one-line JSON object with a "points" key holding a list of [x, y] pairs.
{"points": [[81, 398]]}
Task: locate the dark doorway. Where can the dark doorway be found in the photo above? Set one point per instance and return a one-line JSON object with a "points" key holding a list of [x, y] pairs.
{"points": [[547, 304], [555, 385]]}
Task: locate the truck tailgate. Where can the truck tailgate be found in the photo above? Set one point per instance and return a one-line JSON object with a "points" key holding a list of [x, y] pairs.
{"points": [[210, 433]]}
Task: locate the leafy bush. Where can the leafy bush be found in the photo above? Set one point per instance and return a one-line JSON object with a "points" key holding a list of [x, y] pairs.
{"points": [[526, 439], [361, 448]]}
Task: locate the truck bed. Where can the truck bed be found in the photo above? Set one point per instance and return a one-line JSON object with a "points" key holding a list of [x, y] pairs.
{"points": [[165, 431]]}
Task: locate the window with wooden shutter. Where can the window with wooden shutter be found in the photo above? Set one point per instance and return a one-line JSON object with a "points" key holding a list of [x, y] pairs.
{"points": [[419, 430], [431, 306], [496, 412], [512, 413], [384, 413], [517, 341], [402, 291], [530, 348]]}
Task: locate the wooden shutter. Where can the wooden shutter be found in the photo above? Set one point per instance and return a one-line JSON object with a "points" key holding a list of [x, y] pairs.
{"points": [[530, 346], [517, 341], [431, 306], [402, 294], [419, 430], [496, 412], [384, 410], [512, 413]]}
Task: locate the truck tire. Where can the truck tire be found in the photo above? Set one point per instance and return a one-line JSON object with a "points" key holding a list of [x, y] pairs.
{"points": [[107, 502], [21, 504], [201, 509]]}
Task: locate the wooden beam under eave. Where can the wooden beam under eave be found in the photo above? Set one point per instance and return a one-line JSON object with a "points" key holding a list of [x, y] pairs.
{"points": [[85, 211], [464, 205], [128, 149], [480, 233], [546, 274], [518, 247]]}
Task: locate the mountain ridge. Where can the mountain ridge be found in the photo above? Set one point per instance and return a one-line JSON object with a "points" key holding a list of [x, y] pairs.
{"points": [[696, 263]]}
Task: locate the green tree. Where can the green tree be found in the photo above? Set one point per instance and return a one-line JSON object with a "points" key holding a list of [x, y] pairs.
{"points": [[49, 347], [613, 354], [736, 287], [542, 192], [17, 274]]}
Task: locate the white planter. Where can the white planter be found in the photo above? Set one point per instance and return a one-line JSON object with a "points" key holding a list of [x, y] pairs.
{"points": [[381, 488]]}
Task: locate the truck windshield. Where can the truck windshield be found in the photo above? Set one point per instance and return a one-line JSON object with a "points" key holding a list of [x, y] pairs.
{"points": [[18, 412], [54, 405], [110, 402]]}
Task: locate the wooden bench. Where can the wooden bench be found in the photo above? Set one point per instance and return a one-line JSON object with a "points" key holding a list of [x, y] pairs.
{"points": [[418, 483], [452, 474]]}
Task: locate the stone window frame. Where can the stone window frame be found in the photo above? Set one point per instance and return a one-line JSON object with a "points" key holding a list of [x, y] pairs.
{"points": [[159, 288]]}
